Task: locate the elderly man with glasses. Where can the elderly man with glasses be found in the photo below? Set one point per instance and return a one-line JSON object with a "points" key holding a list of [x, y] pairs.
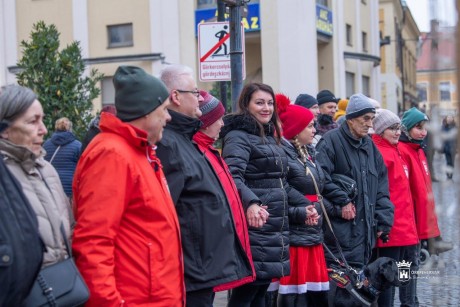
{"points": [[212, 253]]}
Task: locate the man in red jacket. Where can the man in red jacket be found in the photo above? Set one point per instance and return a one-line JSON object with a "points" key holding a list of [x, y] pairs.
{"points": [[127, 240]]}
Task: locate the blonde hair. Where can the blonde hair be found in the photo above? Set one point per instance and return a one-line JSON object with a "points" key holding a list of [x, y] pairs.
{"points": [[63, 124], [302, 150]]}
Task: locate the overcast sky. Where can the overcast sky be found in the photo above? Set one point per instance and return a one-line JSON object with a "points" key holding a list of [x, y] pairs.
{"points": [[445, 10]]}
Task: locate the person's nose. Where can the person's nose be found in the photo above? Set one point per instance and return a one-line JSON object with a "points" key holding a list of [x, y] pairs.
{"points": [[168, 116], [42, 129]]}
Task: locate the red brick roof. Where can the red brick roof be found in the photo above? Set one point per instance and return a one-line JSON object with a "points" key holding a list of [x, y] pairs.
{"points": [[437, 54]]}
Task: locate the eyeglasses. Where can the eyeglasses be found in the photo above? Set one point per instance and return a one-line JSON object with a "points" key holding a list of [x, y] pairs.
{"points": [[395, 127], [195, 92]]}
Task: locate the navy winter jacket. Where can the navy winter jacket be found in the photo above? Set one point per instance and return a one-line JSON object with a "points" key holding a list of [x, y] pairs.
{"points": [[65, 160]]}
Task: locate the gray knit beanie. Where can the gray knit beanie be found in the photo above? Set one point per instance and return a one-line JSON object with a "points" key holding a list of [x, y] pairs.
{"points": [[384, 119], [359, 105]]}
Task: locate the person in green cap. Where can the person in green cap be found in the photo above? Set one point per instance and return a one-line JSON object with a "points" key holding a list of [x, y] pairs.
{"points": [[413, 125], [127, 241]]}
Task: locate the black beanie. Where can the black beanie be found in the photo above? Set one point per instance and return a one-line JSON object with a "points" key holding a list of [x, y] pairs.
{"points": [[326, 96], [306, 101], [137, 93]]}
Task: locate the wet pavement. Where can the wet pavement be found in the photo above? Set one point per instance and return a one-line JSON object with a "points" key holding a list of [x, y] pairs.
{"points": [[438, 284]]}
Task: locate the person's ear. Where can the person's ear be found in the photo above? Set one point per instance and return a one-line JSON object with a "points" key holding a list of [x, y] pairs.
{"points": [[174, 98]]}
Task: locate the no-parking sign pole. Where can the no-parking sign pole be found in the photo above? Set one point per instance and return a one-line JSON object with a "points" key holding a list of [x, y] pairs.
{"points": [[236, 52]]}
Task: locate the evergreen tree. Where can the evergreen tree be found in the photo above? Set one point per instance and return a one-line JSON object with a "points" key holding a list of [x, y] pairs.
{"points": [[58, 78]]}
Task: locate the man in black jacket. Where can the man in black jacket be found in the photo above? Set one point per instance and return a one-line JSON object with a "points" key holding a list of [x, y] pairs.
{"points": [[212, 253], [350, 151]]}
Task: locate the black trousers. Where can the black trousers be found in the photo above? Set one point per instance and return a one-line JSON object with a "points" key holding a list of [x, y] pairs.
{"points": [[200, 298], [249, 295]]}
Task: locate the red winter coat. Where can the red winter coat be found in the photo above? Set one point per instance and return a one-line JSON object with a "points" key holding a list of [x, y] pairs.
{"points": [[422, 192], [205, 144], [404, 230], [127, 239]]}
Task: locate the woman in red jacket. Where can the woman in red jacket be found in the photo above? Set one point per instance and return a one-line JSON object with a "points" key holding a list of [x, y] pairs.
{"points": [[402, 242], [414, 132], [212, 113]]}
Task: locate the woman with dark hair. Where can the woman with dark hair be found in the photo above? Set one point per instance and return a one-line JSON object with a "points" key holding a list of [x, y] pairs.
{"points": [[21, 147], [252, 151]]}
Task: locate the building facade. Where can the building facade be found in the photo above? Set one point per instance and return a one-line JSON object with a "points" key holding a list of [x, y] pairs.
{"points": [[437, 70], [297, 46], [400, 37]]}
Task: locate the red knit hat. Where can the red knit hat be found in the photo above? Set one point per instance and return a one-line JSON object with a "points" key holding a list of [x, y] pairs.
{"points": [[294, 118], [211, 109]]}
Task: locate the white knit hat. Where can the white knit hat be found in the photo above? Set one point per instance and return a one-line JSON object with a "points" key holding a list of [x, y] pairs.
{"points": [[384, 119]]}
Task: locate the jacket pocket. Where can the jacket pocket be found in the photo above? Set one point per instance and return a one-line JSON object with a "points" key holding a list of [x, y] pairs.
{"points": [[154, 267]]}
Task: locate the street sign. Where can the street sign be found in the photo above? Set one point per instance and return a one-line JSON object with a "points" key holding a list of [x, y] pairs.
{"points": [[214, 51]]}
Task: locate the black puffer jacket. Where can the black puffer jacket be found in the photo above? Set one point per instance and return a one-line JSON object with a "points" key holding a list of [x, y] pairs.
{"points": [[21, 249], [212, 252], [339, 152], [259, 168], [301, 234]]}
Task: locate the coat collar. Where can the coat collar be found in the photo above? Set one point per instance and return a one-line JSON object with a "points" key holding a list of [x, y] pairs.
{"points": [[183, 124], [22, 155], [111, 124], [357, 143]]}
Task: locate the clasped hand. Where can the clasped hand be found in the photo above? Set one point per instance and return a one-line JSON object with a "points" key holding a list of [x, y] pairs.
{"points": [[312, 215], [348, 211], [257, 215]]}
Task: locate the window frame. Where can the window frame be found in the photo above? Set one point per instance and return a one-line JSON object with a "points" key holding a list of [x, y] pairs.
{"points": [[121, 44], [348, 34]]}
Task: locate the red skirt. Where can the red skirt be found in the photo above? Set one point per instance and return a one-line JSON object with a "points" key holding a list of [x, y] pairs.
{"points": [[308, 271]]}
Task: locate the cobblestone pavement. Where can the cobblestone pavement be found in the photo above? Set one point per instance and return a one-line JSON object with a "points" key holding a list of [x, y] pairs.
{"points": [[439, 279]]}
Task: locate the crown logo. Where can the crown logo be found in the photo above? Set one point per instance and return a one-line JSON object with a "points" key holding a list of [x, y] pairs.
{"points": [[403, 264]]}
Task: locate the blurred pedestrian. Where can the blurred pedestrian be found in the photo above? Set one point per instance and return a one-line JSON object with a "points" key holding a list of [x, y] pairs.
{"points": [[212, 112], [449, 128], [213, 255], [341, 111], [411, 140], [93, 128], [308, 283], [63, 151], [327, 107], [402, 241], [127, 240], [309, 102], [252, 151]]}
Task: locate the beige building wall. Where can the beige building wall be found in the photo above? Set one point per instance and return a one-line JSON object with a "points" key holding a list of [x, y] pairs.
{"points": [[57, 12], [286, 53]]}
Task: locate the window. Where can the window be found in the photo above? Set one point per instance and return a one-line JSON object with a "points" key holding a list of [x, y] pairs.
{"points": [[366, 82], [364, 34], [349, 37], [444, 91], [350, 83], [120, 35], [322, 2], [206, 4], [422, 91], [107, 91]]}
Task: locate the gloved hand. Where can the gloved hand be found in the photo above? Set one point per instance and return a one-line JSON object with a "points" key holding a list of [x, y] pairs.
{"points": [[385, 237]]}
